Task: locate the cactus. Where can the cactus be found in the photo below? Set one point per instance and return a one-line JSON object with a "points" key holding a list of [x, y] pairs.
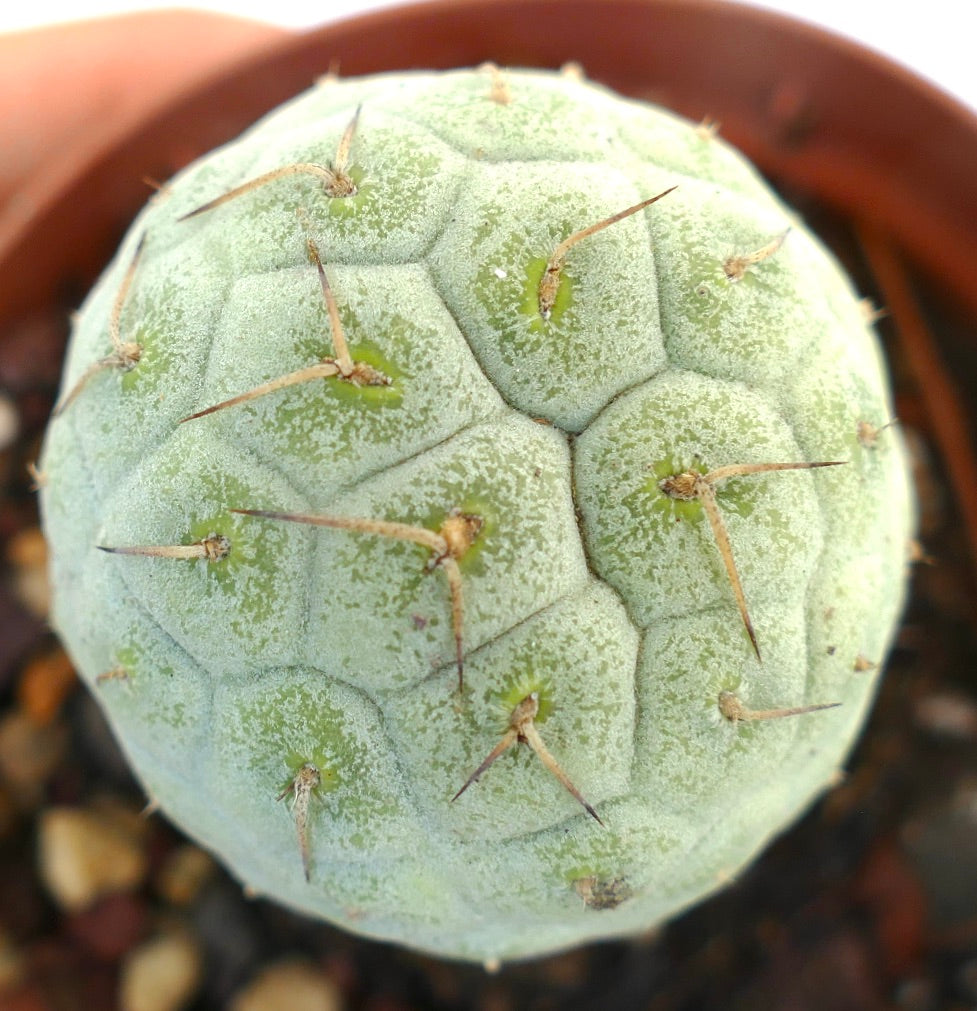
{"points": [[460, 503]]}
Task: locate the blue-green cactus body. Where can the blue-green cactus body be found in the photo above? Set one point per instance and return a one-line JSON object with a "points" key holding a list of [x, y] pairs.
{"points": [[582, 584]]}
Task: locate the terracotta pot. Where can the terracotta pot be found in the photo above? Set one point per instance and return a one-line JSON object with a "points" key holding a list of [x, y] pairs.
{"points": [[68, 95], [69, 90], [828, 121]]}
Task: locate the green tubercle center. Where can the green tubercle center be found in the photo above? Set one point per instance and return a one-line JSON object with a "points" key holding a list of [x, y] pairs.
{"points": [[529, 305]]}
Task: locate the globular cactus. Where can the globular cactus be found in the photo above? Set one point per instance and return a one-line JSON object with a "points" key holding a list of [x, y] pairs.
{"points": [[472, 502]]}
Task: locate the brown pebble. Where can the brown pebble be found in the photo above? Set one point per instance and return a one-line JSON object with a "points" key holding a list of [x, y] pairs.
{"points": [[110, 927], [897, 906], [124, 818], [27, 556], [20, 632], [495, 998], [162, 974], [84, 856], [567, 970], [185, 871], [11, 963], [60, 976], [28, 996], [27, 548], [947, 714], [291, 984], [45, 683], [837, 971], [29, 755]]}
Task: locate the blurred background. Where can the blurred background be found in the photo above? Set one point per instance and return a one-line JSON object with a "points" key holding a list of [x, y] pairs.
{"points": [[941, 49]]}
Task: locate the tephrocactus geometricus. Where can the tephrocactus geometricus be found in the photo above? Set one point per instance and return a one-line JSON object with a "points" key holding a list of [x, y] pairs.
{"points": [[460, 503]]}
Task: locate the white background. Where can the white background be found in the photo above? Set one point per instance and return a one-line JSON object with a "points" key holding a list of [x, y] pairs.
{"points": [[935, 38]]}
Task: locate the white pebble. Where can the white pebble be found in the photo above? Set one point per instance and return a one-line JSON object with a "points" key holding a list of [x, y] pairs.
{"points": [[162, 974], [83, 857], [291, 984], [9, 421]]}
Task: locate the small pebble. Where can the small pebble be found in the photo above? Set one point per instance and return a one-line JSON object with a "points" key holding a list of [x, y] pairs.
{"points": [[111, 926], [494, 999], [29, 755], [84, 856], [11, 963], [186, 870], [290, 984], [567, 970], [945, 714], [129, 821], [162, 974], [44, 684], [27, 556], [9, 422]]}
